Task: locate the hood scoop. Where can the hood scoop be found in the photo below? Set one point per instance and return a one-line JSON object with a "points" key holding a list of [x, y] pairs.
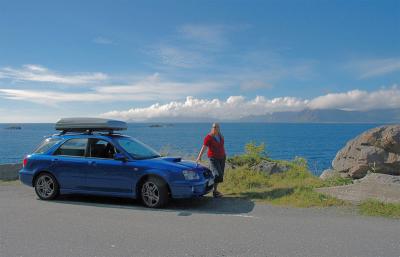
{"points": [[173, 159]]}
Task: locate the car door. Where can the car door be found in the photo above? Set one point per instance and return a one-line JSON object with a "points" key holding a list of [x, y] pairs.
{"points": [[70, 164], [106, 174]]}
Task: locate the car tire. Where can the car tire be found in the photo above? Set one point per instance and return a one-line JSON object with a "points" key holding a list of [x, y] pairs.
{"points": [[46, 186], [154, 193]]}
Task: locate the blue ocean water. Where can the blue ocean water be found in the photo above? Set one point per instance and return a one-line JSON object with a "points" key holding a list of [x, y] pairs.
{"points": [[318, 143]]}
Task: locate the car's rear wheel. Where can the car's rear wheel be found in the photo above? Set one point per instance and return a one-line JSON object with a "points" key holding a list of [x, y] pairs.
{"points": [[46, 186], [154, 193]]}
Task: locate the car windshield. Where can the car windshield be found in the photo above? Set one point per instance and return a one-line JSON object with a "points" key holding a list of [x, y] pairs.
{"points": [[137, 149]]}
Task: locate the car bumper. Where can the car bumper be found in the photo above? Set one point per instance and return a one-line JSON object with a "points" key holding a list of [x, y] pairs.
{"points": [[187, 189], [25, 177]]}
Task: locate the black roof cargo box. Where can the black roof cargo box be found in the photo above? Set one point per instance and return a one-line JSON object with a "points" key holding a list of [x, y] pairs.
{"points": [[89, 124]]}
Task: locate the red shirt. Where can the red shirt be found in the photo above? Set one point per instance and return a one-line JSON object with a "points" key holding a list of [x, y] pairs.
{"points": [[215, 149]]}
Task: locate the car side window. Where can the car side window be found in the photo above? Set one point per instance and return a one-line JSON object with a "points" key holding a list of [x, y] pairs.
{"points": [[101, 149], [73, 147], [46, 145]]}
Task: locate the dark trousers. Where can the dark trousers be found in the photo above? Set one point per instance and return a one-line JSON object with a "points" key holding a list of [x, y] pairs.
{"points": [[217, 166]]}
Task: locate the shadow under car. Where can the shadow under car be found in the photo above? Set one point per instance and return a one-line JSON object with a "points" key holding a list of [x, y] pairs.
{"points": [[183, 207]]}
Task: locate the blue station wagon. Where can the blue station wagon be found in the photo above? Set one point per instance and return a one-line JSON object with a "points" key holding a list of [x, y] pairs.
{"points": [[89, 157]]}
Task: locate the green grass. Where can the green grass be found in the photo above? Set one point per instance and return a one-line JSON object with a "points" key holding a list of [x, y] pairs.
{"points": [[292, 188], [377, 208], [295, 187]]}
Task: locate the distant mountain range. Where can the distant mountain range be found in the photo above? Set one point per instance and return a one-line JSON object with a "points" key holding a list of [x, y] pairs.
{"points": [[329, 116], [306, 116]]}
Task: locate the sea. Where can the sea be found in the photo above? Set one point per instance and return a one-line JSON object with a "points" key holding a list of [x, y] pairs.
{"points": [[317, 143]]}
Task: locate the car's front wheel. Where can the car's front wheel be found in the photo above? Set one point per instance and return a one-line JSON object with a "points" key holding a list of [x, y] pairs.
{"points": [[154, 193], [46, 186]]}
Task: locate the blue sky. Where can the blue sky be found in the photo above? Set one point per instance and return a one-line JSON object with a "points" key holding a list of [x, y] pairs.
{"points": [[137, 60]]}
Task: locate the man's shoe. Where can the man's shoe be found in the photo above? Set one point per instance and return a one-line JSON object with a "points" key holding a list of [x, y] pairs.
{"points": [[217, 194]]}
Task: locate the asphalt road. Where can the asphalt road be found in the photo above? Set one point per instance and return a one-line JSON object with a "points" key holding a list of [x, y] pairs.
{"points": [[91, 226]]}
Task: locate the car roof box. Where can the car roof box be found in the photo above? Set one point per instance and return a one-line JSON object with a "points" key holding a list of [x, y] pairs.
{"points": [[89, 125]]}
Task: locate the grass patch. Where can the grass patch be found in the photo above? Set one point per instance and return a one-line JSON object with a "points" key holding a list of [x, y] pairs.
{"points": [[294, 187], [377, 208]]}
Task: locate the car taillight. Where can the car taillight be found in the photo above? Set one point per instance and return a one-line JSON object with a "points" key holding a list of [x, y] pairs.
{"points": [[24, 162]]}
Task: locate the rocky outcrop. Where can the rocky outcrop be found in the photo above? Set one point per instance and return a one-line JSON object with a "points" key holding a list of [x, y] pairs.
{"points": [[376, 150], [270, 167], [9, 171]]}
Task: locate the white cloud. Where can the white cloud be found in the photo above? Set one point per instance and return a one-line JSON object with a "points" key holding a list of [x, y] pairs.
{"points": [[209, 34], [235, 107], [154, 87], [195, 45], [37, 73], [375, 67], [255, 85], [359, 100], [148, 89], [103, 41], [232, 108], [181, 58], [51, 97], [37, 68]]}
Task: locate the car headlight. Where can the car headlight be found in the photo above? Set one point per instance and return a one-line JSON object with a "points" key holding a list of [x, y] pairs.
{"points": [[190, 175]]}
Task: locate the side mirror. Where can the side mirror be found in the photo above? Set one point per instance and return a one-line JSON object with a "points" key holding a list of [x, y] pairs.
{"points": [[120, 157]]}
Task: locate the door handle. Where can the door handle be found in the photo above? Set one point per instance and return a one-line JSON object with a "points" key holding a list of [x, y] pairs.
{"points": [[54, 160], [92, 163]]}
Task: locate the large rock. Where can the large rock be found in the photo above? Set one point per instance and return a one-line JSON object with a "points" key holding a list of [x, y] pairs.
{"points": [[376, 150], [270, 167]]}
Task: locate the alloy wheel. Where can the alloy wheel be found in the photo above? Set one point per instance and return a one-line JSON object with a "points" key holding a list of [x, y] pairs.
{"points": [[150, 194], [45, 186]]}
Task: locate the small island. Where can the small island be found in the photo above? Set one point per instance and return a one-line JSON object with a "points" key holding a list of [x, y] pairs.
{"points": [[160, 125], [14, 127]]}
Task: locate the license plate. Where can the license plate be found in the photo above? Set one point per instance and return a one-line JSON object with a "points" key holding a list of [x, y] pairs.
{"points": [[211, 182]]}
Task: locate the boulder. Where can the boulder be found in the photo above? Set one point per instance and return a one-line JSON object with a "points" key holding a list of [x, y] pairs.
{"points": [[376, 150], [270, 167]]}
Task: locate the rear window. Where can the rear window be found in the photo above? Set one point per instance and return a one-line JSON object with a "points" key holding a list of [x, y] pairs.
{"points": [[46, 145], [73, 147]]}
